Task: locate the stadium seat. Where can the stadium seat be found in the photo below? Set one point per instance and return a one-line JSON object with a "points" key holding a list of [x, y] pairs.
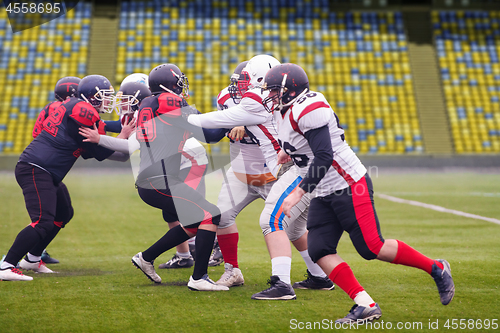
{"points": [[468, 47], [31, 62]]}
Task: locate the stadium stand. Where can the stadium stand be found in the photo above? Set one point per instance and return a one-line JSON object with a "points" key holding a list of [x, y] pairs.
{"points": [[359, 60], [468, 47], [31, 62]]}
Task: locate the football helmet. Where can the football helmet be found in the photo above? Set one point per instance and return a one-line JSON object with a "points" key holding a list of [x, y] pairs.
{"points": [[286, 83], [137, 77], [233, 87], [96, 90], [253, 74], [168, 77], [129, 96], [66, 87]]}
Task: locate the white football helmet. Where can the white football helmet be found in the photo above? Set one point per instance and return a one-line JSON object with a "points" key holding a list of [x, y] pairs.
{"points": [[137, 77], [253, 74]]}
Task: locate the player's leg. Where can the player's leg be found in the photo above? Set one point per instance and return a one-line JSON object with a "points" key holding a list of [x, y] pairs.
{"points": [[64, 214], [272, 223], [40, 197], [196, 215], [393, 251], [297, 233], [182, 257], [234, 196], [325, 231]]}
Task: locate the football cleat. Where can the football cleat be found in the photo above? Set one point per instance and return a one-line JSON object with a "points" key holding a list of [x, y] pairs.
{"points": [[232, 276], [278, 290], [205, 284], [444, 281], [178, 262], [314, 282], [360, 314], [146, 267], [47, 259], [13, 274], [37, 267], [216, 257]]}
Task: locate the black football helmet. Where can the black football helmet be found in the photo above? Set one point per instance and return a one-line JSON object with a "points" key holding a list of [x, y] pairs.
{"points": [[233, 87], [285, 82], [96, 90], [66, 87], [129, 96], [168, 77]]}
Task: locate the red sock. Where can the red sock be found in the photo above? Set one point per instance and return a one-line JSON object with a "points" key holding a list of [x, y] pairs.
{"points": [[408, 256], [343, 277], [229, 247]]}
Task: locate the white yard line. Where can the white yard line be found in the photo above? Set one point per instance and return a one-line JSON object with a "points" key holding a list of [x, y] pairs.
{"points": [[438, 208]]}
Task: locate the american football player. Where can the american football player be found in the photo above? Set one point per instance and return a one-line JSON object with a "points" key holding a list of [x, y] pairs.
{"points": [[278, 230], [162, 132], [45, 162], [310, 133]]}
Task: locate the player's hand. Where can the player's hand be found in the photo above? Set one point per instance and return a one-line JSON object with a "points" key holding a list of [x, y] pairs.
{"points": [[291, 200], [237, 133], [283, 157], [92, 135], [127, 129]]}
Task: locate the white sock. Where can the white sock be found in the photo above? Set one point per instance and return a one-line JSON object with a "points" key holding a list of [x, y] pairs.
{"points": [[184, 254], [6, 265], [192, 240], [33, 258], [363, 299], [313, 268], [281, 268]]}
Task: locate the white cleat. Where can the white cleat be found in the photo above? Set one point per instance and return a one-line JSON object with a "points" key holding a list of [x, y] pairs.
{"points": [[146, 267], [13, 274], [37, 267], [232, 276], [205, 284]]}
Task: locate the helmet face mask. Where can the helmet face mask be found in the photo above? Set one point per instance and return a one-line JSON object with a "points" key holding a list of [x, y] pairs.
{"points": [[243, 83], [126, 104], [233, 90], [106, 100]]}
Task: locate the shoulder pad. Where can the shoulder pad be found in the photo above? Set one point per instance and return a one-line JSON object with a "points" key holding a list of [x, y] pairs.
{"points": [[84, 114], [170, 105]]}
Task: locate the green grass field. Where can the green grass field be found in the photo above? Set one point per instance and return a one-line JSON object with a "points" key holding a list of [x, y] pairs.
{"points": [[97, 288]]}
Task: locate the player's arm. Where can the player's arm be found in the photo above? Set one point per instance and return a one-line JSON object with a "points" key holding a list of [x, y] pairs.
{"points": [[119, 144], [321, 145], [229, 118], [114, 126]]}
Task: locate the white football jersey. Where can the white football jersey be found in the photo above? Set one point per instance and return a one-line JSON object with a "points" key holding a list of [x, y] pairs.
{"points": [[246, 156], [309, 112], [259, 124]]}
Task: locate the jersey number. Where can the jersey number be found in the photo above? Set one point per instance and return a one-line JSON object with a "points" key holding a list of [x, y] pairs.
{"points": [[53, 120], [300, 160], [146, 126]]}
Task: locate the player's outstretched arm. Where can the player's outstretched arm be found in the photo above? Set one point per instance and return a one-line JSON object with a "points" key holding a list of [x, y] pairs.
{"points": [[229, 118]]}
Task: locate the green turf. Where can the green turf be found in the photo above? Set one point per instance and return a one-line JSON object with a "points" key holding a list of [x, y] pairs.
{"points": [[97, 289]]}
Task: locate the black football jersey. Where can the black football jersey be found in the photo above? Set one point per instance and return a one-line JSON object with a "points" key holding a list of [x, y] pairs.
{"points": [[58, 145], [162, 132]]}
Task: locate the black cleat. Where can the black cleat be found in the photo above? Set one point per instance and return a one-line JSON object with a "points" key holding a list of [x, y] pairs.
{"points": [[178, 262], [278, 290], [360, 314], [444, 281], [216, 257], [314, 282], [46, 258]]}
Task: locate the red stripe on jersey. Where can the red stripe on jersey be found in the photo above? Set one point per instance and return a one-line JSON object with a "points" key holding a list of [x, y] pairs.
{"points": [[343, 173], [294, 124], [253, 96], [365, 215], [270, 137], [312, 107], [223, 99]]}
